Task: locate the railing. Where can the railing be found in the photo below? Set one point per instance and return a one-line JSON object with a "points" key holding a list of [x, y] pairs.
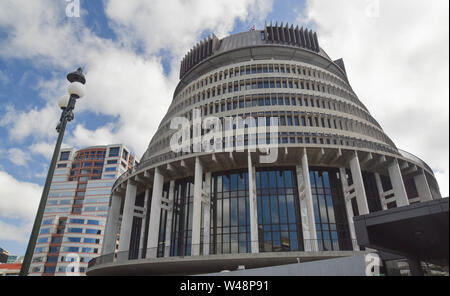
{"points": [[219, 249]]}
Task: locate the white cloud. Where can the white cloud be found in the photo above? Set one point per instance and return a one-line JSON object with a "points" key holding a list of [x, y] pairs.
{"points": [[38, 123], [397, 64], [19, 157], [130, 87], [15, 233], [43, 148], [18, 199], [177, 24]]}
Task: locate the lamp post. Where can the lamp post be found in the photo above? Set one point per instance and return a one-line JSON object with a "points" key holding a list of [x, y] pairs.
{"points": [[67, 105]]}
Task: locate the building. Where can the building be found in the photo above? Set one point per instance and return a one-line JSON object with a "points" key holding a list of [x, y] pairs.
{"points": [[14, 259], [291, 157], [3, 256], [12, 269], [74, 218]]}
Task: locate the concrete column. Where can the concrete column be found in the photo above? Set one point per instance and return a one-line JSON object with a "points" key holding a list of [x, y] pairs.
{"points": [[197, 208], [349, 209], [422, 187], [155, 214], [127, 217], [253, 204], [144, 219], [358, 183], [308, 207], [395, 175], [207, 214], [380, 191], [169, 219], [112, 223]]}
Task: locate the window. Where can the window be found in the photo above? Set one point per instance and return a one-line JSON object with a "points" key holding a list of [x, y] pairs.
{"points": [[110, 169], [62, 165], [75, 230], [91, 241], [73, 239], [93, 231], [71, 249], [56, 240], [329, 210], [64, 156], [53, 250], [89, 250], [52, 259], [277, 200], [42, 240], [77, 221], [45, 231], [114, 152], [49, 269]]}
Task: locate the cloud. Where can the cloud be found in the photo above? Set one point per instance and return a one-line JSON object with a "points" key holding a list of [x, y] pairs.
{"points": [[38, 123], [18, 157], [397, 57], [125, 79], [18, 199], [43, 148], [15, 233], [177, 24]]}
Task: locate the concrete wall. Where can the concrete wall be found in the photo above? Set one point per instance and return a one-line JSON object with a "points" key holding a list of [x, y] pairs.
{"points": [[345, 266]]}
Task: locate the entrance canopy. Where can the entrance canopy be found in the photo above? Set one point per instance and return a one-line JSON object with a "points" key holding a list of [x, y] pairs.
{"points": [[418, 231]]}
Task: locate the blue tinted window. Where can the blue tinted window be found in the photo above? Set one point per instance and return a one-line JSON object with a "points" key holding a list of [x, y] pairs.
{"points": [[45, 231], [74, 239], [93, 231]]}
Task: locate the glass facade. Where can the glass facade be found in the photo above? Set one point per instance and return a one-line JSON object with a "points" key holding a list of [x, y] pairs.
{"points": [[182, 218], [230, 217], [329, 210], [279, 221], [278, 210]]}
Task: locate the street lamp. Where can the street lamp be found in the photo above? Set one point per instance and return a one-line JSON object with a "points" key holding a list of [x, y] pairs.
{"points": [[67, 104]]}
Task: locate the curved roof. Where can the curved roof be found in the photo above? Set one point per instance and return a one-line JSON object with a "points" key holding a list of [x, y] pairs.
{"points": [[279, 35]]}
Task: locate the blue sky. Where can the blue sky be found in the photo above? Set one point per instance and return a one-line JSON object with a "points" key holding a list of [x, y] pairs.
{"points": [[131, 50]]}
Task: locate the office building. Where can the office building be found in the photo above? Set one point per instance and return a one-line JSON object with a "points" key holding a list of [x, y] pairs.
{"points": [[74, 219]]}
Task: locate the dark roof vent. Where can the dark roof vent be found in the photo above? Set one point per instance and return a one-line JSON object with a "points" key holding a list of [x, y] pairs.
{"points": [[201, 51], [291, 36]]}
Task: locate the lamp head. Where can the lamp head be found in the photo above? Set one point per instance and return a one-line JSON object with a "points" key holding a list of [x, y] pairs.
{"points": [[64, 102], [77, 76]]}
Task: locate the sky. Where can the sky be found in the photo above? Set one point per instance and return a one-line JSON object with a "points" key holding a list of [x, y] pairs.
{"points": [[396, 54]]}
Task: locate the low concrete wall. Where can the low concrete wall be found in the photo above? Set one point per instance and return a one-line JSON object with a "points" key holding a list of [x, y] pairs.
{"points": [[345, 266]]}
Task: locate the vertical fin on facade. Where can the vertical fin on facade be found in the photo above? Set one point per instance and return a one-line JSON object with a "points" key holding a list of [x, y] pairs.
{"points": [[198, 53], [288, 35]]}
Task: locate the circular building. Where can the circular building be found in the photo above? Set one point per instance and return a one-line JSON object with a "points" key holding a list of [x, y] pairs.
{"points": [[265, 156]]}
